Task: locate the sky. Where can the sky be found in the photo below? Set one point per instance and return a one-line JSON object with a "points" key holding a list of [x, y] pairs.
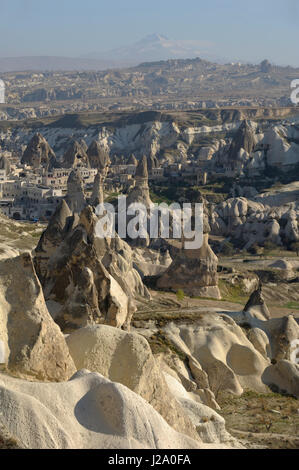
{"points": [[249, 30]]}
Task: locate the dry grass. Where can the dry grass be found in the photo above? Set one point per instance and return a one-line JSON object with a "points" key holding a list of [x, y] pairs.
{"points": [[272, 419]]}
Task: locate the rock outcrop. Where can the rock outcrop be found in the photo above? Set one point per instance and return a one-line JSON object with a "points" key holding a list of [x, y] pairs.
{"points": [[98, 157], [97, 196], [75, 197], [85, 278], [75, 156], [193, 271], [267, 217], [274, 337], [256, 305], [140, 192], [39, 153], [52, 237], [34, 345], [283, 377]]}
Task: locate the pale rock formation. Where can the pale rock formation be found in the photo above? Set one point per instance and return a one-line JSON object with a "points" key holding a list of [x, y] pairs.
{"points": [[282, 333], [97, 196], [75, 156], [283, 377], [127, 358], [244, 140], [132, 160], [256, 305], [224, 352], [209, 424], [269, 216], [260, 341], [39, 153], [75, 197], [88, 412], [151, 262], [190, 375], [193, 271], [34, 345], [117, 257], [87, 279], [140, 192], [52, 237]]}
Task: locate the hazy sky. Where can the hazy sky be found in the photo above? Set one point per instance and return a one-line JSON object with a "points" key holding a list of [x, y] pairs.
{"points": [[249, 30]]}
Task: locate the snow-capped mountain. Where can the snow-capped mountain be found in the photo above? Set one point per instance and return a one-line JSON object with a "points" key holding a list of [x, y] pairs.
{"points": [[155, 47]]}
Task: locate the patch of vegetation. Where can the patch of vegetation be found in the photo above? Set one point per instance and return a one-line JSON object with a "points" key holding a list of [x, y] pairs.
{"points": [[158, 199], [255, 412], [180, 295], [159, 343], [232, 292], [294, 305]]}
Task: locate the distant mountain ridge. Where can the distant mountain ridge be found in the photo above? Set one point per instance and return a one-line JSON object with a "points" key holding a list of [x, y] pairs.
{"points": [[154, 47]]}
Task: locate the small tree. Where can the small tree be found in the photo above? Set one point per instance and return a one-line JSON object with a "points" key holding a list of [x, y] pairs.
{"points": [[180, 295]]}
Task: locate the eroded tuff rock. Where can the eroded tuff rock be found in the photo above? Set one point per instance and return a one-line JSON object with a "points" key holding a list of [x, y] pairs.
{"points": [[39, 153], [88, 412], [75, 156], [140, 192], [209, 424], [61, 221], [97, 196], [268, 217], [244, 140], [224, 352], [256, 305], [75, 197], [132, 160], [127, 358], [281, 333], [98, 157], [193, 271], [34, 345], [283, 377], [86, 279]]}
